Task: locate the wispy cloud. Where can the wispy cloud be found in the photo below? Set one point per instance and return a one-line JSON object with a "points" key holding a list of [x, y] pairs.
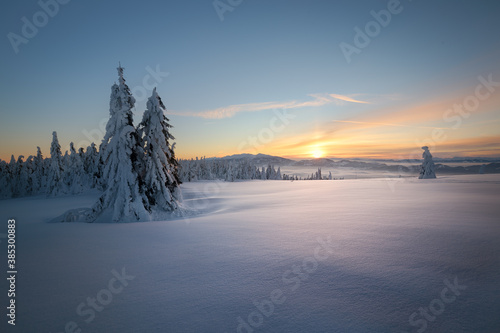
{"points": [[229, 111], [347, 99], [376, 124]]}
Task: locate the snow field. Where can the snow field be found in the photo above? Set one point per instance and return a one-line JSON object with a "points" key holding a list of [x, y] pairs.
{"points": [[249, 260]]}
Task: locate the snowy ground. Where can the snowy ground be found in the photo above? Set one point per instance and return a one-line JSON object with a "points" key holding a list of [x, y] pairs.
{"points": [[334, 256]]}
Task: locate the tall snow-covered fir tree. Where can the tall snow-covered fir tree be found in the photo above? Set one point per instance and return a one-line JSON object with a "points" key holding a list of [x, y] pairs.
{"points": [[110, 126], [122, 156], [427, 170], [55, 182], [110, 130], [161, 179]]}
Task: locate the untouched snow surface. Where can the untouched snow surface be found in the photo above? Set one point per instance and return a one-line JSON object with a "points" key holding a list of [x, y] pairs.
{"points": [[335, 256]]}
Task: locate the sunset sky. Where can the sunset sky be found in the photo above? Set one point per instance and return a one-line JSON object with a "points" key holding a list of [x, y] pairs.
{"points": [[271, 77]]}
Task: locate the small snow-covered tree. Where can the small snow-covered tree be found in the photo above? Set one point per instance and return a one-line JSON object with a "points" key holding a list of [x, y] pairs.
{"points": [[27, 175], [55, 183], [161, 179], [482, 169], [122, 157], [263, 175], [5, 180], [75, 172], [39, 180], [278, 174], [427, 170], [230, 173], [13, 173], [68, 180], [269, 172], [91, 165], [20, 176]]}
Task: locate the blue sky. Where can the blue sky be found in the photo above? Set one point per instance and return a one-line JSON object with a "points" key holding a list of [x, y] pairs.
{"points": [[227, 79]]}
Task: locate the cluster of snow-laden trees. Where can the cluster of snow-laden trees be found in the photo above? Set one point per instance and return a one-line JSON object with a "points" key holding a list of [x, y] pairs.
{"points": [[231, 170], [139, 170], [224, 169], [71, 173]]}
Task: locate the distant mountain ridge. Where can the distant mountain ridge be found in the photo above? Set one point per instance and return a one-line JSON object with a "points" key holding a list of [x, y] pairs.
{"points": [[261, 159], [314, 161], [485, 165]]}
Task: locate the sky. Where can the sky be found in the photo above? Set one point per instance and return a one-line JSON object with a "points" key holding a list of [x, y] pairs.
{"points": [[298, 79]]}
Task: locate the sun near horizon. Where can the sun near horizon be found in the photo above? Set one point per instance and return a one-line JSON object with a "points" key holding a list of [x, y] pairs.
{"points": [[317, 153]]}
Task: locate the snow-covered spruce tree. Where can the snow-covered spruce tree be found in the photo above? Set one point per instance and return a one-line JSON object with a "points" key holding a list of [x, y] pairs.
{"points": [[110, 130], [427, 170], [39, 181], [269, 172], [482, 169], [122, 157], [20, 177], [25, 176], [68, 180], [230, 172], [175, 164], [263, 175], [91, 165], [161, 179], [13, 174], [55, 183], [75, 173], [188, 170], [5, 180], [86, 176]]}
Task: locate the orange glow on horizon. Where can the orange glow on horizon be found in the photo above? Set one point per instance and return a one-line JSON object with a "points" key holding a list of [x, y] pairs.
{"points": [[317, 153]]}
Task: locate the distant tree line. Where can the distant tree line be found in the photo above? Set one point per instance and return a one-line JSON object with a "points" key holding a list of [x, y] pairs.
{"points": [[71, 173], [231, 170]]}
